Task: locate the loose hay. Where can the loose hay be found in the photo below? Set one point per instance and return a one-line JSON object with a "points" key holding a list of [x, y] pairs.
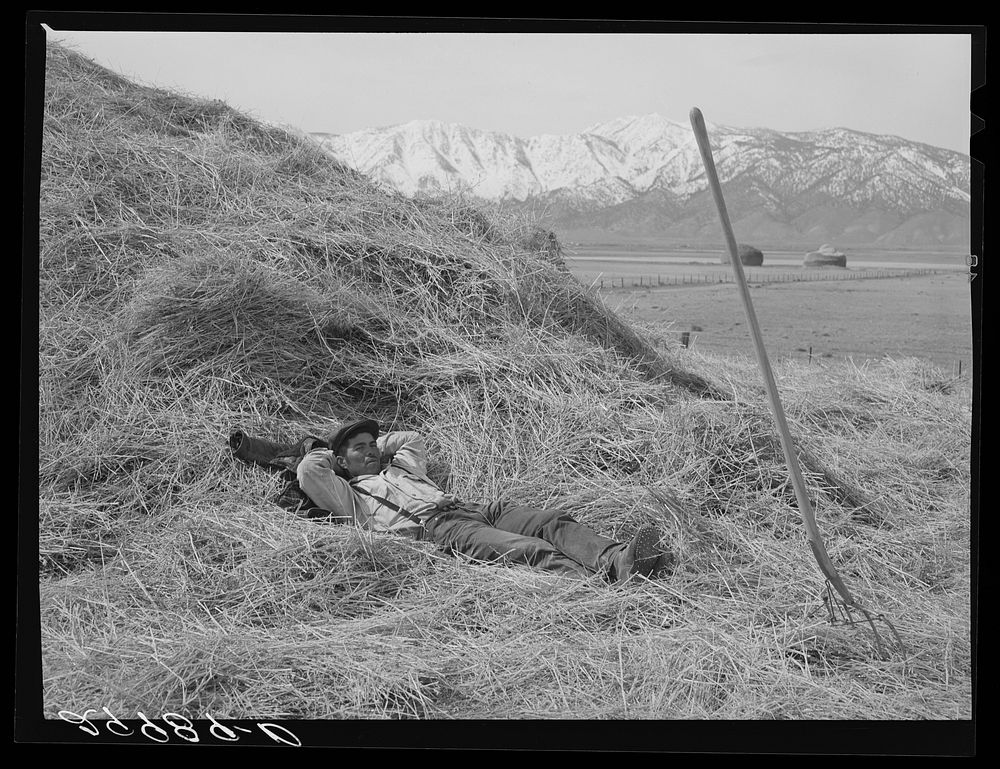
{"points": [[200, 271]]}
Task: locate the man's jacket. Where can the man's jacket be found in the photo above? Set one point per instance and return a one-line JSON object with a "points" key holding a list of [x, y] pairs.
{"points": [[400, 498]]}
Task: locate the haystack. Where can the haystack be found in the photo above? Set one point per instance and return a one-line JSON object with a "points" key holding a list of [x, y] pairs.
{"points": [[750, 256], [201, 271], [825, 256]]}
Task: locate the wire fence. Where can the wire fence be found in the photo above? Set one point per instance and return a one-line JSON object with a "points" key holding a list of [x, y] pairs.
{"points": [[944, 358], [752, 276]]}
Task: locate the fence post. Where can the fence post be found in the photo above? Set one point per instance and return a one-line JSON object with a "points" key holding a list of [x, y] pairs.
{"points": [[685, 338]]}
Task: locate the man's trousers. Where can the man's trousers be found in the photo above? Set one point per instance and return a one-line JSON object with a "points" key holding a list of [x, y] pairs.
{"points": [[550, 540]]}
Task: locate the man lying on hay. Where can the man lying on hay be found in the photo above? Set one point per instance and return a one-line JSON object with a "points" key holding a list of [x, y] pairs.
{"points": [[381, 482]]}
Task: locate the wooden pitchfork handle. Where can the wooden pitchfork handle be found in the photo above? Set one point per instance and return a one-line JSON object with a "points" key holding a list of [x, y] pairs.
{"points": [[805, 506]]}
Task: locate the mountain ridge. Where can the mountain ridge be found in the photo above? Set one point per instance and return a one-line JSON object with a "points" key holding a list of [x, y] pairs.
{"points": [[860, 187]]}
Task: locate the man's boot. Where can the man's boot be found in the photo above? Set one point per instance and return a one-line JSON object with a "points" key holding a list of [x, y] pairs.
{"points": [[640, 556]]}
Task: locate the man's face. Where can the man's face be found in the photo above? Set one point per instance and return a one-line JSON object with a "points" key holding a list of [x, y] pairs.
{"points": [[360, 455]]}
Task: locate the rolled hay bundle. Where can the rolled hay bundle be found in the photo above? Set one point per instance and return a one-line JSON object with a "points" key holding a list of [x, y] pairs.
{"points": [[825, 256], [750, 256]]}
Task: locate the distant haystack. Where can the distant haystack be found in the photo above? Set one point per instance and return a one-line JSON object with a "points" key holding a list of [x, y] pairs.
{"points": [[825, 256], [749, 256]]}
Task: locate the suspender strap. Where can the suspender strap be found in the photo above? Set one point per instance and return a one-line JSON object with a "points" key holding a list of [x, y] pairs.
{"points": [[387, 503]]}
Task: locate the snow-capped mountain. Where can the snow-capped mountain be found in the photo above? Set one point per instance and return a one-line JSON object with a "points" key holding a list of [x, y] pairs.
{"points": [[644, 175]]}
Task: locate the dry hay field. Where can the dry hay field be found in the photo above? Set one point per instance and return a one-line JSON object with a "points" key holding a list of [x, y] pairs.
{"points": [[923, 316], [201, 272]]}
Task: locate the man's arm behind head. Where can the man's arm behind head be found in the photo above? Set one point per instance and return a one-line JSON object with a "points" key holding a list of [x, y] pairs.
{"points": [[318, 478], [405, 448]]}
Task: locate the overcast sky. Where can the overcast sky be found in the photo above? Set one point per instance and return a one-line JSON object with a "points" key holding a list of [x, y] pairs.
{"points": [[911, 85]]}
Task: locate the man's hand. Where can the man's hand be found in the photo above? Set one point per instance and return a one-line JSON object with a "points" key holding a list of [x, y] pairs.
{"points": [[447, 502]]}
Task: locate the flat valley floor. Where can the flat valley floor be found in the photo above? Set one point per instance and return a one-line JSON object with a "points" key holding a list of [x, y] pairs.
{"points": [[925, 316]]}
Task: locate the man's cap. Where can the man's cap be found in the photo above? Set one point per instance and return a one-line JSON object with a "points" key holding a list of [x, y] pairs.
{"points": [[348, 430]]}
